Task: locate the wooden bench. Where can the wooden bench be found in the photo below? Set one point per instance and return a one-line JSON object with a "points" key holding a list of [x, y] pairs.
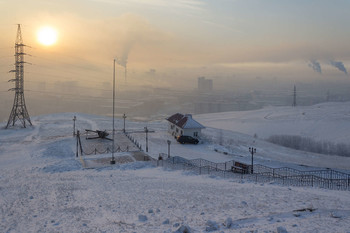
{"points": [[240, 168]]}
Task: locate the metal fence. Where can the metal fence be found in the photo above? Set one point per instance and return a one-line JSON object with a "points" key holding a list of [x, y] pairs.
{"points": [[104, 148], [327, 179]]}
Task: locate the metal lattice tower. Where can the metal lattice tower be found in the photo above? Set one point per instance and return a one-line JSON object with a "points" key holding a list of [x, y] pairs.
{"points": [[19, 109]]}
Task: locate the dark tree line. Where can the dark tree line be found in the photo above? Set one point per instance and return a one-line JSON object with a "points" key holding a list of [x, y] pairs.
{"points": [[310, 145]]}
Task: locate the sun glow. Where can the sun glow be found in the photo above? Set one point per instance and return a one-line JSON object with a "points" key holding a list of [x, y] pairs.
{"points": [[47, 36]]}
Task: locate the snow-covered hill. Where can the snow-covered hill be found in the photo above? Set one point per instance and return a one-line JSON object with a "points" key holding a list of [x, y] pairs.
{"points": [[326, 121], [43, 187]]}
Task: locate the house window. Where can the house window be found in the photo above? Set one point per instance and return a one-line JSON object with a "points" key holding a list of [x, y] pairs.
{"points": [[195, 134], [172, 126], [177, 130], [182, 132]]}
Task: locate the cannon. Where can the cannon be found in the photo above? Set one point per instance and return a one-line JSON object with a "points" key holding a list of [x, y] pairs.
{"points": [[99, 134]]}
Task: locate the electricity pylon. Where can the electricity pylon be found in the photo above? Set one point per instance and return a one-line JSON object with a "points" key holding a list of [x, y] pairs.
{"points": [[19, 109]]}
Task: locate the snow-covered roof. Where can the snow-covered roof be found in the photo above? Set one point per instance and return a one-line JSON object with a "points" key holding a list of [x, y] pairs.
{"points": [[185, 121]]}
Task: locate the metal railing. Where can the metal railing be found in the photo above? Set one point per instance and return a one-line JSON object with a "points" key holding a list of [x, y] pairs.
{"points": [[103, 149], [327, 179]]}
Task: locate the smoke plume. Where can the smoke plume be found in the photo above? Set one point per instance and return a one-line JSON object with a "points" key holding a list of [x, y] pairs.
{"points": [[339, 65], [123, 59], [316, 66]]}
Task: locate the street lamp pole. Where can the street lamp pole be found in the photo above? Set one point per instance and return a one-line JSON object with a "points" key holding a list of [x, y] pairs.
{"points": [[252, 151], [74, 119], [124, 116], [146, 130], [112, 160], [169, 142]]}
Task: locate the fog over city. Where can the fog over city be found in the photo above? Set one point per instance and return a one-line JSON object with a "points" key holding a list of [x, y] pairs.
{"points": [[254, 52]]}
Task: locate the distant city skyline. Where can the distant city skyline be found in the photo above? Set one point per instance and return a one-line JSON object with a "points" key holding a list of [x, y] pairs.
{"points": [[243, 35]]}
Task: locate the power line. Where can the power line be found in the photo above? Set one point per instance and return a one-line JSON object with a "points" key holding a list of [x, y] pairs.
{"points": [[67, 85], [67, 94], [62, 76], [70, 74], [5, 57]]}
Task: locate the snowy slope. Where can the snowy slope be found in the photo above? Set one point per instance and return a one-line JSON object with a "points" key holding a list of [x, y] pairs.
{"points": [[43, 187], [326, 121]]}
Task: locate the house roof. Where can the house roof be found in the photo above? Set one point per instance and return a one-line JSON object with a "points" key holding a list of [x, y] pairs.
{"points": [[185, 121]]}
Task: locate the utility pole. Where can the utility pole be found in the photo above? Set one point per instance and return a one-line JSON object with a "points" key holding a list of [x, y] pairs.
{"points": [[146, 131], [74, 119], [328, 95], [125, 71], [169, 142], [252, 151], [124, 117], [295, 97], [112, 160], [78, 135], [19, 109]]}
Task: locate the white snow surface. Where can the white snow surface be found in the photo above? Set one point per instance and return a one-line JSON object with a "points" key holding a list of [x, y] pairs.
{"points": [[43, 187], [326, 121]]}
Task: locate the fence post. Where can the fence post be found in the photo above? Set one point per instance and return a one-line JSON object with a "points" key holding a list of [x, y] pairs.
{"points": [[312, 180], [332, 185], [77, 144], [81, 147], [328, 183], [225, 166]]}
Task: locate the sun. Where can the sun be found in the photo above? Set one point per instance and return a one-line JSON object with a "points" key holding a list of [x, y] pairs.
{"points": [[47, 36]]}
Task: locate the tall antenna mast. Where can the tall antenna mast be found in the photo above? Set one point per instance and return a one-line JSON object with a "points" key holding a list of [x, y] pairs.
{"points": [[295, 97], [125, 72], [113, 160], [19, 109]]}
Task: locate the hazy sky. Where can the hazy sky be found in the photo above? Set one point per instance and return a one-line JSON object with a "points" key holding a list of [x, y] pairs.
{"points": [[299, 39]]}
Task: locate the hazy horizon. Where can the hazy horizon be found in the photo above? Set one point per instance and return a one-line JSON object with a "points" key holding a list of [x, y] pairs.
{"points": [[240, 44]]}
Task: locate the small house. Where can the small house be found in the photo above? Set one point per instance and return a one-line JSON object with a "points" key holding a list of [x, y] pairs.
{"points": [[180, 124]]}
